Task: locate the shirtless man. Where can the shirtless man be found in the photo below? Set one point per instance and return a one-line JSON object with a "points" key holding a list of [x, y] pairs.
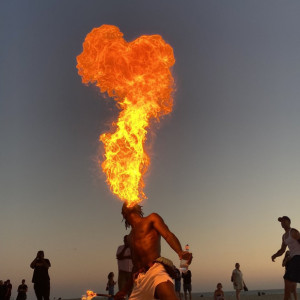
{"points": [[291, 239], [151, 280]]}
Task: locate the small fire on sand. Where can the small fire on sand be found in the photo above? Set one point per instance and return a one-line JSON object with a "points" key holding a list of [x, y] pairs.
{"points": [[89, 295], [137, 76]]}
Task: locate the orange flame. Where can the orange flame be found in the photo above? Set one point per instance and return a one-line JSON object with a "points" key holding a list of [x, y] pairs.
{"points": [[89, 295], [137, 75]]}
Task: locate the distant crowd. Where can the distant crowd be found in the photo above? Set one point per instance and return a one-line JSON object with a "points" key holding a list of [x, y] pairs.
{"points": [[6, 288], [40, 279]]}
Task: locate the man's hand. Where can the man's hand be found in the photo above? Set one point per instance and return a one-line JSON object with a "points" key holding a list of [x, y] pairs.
{"points": [[186, 255], [273, 257]]}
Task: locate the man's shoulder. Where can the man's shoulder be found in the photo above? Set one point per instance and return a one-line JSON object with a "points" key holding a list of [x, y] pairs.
{"points": [[120, 248], [153, 216], [295, 233]]}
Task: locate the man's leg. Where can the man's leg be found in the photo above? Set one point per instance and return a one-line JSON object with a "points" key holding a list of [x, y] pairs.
{"points": [[46, 291], [289, 289], [237, 294], [185, 291], [38, 291], [165, 291], [294, 290]]}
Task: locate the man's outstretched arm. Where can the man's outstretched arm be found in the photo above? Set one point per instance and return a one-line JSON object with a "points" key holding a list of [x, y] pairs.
{"points": [[170, 237]]}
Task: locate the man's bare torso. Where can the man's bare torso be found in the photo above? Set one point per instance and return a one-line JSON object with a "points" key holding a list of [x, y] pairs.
{"points": [[144, 242]]}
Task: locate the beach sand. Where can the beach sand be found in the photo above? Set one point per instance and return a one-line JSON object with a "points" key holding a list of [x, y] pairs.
{"points": [[246, 297], [250, 297], [242, 297]]}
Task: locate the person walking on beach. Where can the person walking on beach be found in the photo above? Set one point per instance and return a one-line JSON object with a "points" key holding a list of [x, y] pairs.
{"points": [[238, 281], [111, 285], [219, 294], [187, 283], [124, 264], [40, 276], [22, 290], [151, 271], [290, 239]]}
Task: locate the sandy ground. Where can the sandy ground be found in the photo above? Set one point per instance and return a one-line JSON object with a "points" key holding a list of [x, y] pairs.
{"points": [[252, 297], [245, 297], [242, 297]]}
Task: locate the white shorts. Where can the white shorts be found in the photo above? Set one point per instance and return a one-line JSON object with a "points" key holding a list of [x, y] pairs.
{"points": [[146, 283]]}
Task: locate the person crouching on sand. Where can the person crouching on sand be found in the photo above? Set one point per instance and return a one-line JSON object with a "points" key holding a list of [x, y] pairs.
{"points": [[219, 294]]}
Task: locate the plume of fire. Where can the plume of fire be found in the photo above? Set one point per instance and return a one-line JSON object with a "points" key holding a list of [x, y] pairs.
{"points": [[137, 75]]}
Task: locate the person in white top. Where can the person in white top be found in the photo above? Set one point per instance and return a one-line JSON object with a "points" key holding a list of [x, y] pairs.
{"points": [[291, 239], [238, 281], [124, 264]]}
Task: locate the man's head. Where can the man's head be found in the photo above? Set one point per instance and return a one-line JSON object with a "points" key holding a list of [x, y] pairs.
{"points": [[40, 254], [23, 281], [128, 211], [237, 265], [285, 222], [125, 239]]}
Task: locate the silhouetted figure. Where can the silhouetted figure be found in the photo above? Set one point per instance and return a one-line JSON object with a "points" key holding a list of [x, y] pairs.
{"points": [[41, 277], [291, 239], [238, 281], [151, 277], [111, 285], [7, 288], [187, 283], [124, 264], [2, 290], [22, 291], [177, 279]]}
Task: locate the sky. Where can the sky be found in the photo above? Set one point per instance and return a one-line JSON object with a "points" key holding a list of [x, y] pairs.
{"points": [[224, 164]]}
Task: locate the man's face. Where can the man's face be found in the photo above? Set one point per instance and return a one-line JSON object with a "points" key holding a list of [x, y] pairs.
{"points": [[285, 223], [40, 254], [126, 211]]}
